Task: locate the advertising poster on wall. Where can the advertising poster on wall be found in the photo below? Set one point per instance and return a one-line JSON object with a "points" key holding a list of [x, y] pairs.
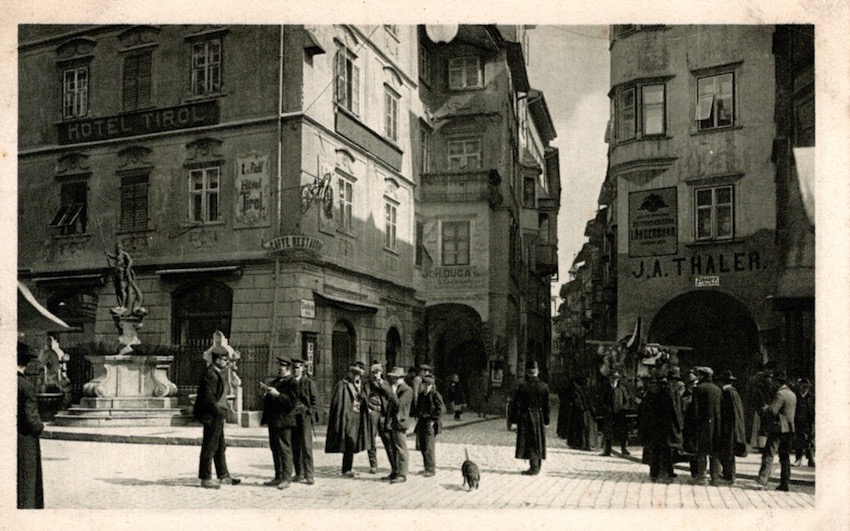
{"points": [[653, 222], [252, 191]]}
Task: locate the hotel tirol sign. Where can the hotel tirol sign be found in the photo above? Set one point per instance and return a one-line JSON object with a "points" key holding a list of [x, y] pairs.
{"points": [[139, 123], [252, 191], [653, 223]]}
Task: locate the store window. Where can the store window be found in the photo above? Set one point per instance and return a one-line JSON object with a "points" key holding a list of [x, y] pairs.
{"points": [[455, 243], [204, 194], [715, 213], [715, 106], [206, 67]]}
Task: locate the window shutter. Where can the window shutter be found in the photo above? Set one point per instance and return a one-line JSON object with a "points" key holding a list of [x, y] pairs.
{"points": [[131, 74], [355, 89], [144, 80], [339, 76]]}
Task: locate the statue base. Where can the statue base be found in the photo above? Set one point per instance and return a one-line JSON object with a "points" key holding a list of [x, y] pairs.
{"points": [[131, 390]]}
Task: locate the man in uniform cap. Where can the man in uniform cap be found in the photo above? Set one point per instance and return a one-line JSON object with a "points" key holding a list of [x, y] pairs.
{"points": [[30, 483], [732, 428], [397, 423], [780, 431], [279, 414], [430, 406], [305, 414], [348, 419], [211, 410], [530, 412]]}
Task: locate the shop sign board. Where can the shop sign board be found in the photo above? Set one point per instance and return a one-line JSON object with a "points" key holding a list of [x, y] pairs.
{"points": [[252, 191], [653, 223], [707, 282]]}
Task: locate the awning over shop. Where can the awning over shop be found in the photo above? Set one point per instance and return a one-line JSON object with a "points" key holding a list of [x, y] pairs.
{"points": [[797, 280], [342, 304], [33, 316], [202, 271]]}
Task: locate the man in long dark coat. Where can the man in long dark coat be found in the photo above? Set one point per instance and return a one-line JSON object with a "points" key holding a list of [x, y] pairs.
{"points": [[707, 401], [377, 391], [429, 408], [30, 484], [348, 420], [399, 420], [305, 413], [661, 408], [689, 430], [211, 410], [732, 426], [530, 412], [279, 414], [614, 404], [579, 417], [804, 423]]}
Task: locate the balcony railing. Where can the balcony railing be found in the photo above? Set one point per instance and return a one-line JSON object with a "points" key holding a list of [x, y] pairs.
{"points": [[462, 187]]}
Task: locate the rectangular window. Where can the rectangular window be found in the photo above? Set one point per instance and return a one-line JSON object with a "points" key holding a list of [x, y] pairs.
{"points": [[346, 203], [420, 238], [464, 154], [455, 243], [204, 190], [347, 76], [390, 114], [465, 73], [528, 192], [75, 92], [715, 213], [626, 115], [206, 67], [72, 216], [390, 214], [424, 65], [424, 150], [134, 203], [715, 106], [136, 84], [652, 109]]}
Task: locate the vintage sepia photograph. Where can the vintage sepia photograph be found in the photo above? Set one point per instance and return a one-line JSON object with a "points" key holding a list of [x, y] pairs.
{"points": [[422, 267]]}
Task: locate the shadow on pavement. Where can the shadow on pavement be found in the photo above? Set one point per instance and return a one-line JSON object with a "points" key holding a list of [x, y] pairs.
{"points": [[135, 482]]}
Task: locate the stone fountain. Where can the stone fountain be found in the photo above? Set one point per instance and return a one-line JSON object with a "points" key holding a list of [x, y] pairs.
{"points": [[130, 388]]}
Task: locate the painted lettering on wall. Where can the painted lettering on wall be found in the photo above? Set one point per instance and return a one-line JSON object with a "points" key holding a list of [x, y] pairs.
{"points": [[653, 222], [252, 191], [139, 123], [698, 264], [459, 277]]}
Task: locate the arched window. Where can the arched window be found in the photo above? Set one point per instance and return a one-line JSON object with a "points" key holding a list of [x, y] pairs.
{"points": [[393, 347]]}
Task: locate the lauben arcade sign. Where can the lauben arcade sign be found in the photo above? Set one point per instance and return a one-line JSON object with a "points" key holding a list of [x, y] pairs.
{"points": [[139, 123]]}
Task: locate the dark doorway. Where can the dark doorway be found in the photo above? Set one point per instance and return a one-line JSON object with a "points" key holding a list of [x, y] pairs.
{"points": [[718, 327], [455, 332], [393, 347], [200, 310], [343, 349]]}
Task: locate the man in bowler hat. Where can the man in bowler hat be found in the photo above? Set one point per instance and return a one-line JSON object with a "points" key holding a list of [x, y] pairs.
{"points": [[30, 484], [211, 410], [279, 402], [530, 412]]}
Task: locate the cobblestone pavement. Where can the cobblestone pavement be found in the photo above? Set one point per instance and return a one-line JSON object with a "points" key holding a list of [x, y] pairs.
{"points": [[93, 475]]}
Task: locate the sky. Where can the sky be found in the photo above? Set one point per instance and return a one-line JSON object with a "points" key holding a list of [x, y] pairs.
{"points": [[570, 65]]}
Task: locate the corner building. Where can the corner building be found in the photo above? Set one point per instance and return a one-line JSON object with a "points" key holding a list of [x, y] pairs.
{"points": [[706, 194], [267, 182]]}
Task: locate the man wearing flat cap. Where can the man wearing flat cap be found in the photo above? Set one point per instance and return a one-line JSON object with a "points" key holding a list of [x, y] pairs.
{"points": [[397, 423], [348, 419], [279, 403], [732, 427], [30, 483], [306, 413], [780, 431], [211, 410], [429, 407], [530, 412], [706, 404]]}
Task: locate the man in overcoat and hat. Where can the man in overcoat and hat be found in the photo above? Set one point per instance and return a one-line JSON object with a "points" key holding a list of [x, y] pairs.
{"points": [[279, 414], [348, 419], [732, 426], [706, 404], [780, 432], [306, 413], [614, 403], [429, 408], [397, 423], [30, 483], [663, 424], [211, 410], [377, 391], [530, 412]]}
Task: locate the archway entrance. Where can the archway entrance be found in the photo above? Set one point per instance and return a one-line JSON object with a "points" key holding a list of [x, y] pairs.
{"points": [[343, 349], [719, 328], [393, 347], [455, 332]]}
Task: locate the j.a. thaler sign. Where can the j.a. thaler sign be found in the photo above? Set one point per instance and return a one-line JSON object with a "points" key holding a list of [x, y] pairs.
{"points": [[139, 123]]}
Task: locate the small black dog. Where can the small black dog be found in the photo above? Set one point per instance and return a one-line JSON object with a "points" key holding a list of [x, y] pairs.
{"points": [[471, 475]]}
